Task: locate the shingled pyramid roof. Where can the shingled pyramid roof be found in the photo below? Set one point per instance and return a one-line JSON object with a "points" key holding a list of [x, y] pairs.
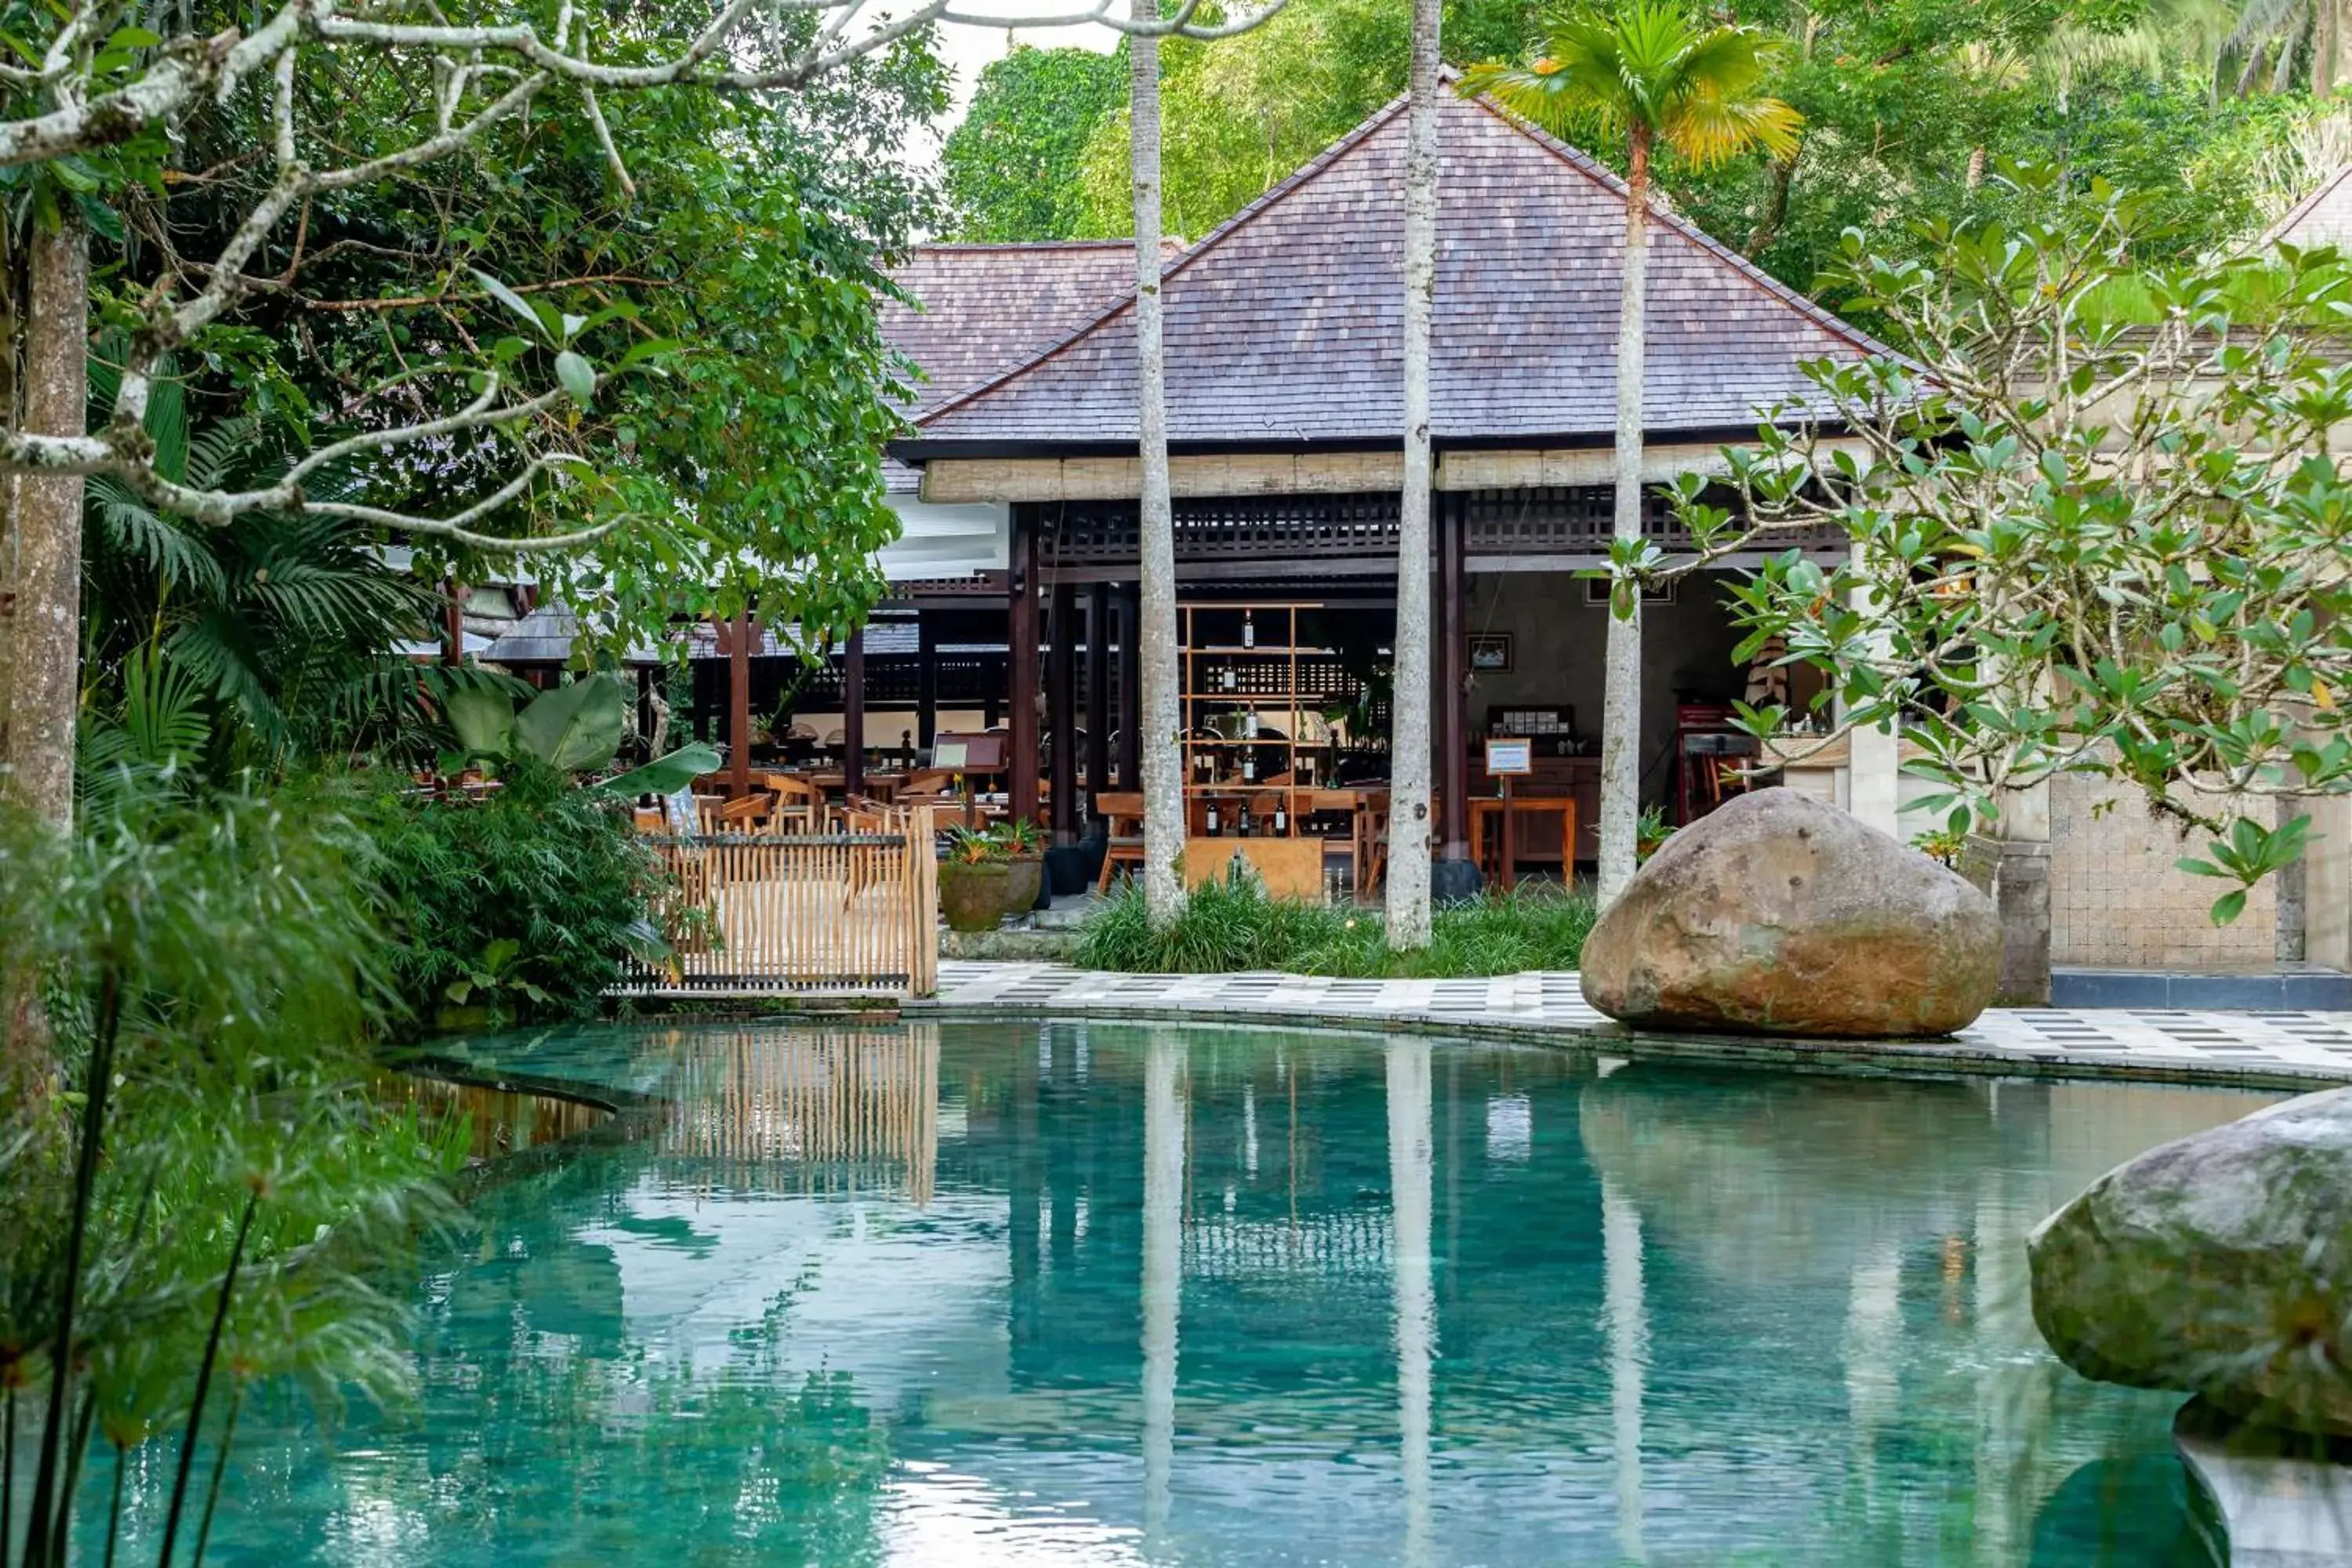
{"points": [[987, 309], [1284, 326], [2323, 217]]}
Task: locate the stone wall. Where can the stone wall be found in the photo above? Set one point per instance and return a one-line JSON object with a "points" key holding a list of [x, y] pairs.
{"points": [[2117, 901]]}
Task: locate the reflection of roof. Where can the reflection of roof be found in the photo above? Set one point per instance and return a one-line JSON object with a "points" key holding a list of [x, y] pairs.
{"points": [[2323, 217], [1284, 326]]}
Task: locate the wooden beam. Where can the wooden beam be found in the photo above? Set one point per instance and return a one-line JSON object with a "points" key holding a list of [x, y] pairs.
{"points": [[1061, 711], [737, 638], [959, 481], [1452, 769], [927, 683], [1021, 672], [1130, 687], [1511, 469], [852, 715], [1098, 694]]}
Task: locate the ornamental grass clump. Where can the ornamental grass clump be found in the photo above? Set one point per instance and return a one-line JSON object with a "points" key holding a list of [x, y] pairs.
{"points": [[1229, 926]]}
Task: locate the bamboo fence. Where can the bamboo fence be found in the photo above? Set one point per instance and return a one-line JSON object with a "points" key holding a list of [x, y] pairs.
{"points": [[838, 914]]}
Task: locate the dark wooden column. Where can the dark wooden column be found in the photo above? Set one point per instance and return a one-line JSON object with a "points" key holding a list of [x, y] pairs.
{"points": [[453, 623], [1131, 689], [1061, 711], [1452, 769], [1021, 669], [735, 636], [1097, 692], [927, 683], [852, 715]]}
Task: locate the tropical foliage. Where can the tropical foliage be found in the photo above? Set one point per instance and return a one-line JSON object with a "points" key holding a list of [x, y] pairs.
{"points": [[2098, 530], [1012, 166], [542, 885], [209, 1205]]}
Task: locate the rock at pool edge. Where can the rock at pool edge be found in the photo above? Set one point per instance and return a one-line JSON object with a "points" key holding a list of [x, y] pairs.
{"points": [[2220, 1264], [1778, 915]]}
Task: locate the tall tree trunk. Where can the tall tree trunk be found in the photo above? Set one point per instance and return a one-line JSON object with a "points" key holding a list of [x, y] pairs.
{"points": [[1409, 752], [50, 392], [1620, 693], [46, 620], [2326, 47], [1783, 174], [1163, 761]]}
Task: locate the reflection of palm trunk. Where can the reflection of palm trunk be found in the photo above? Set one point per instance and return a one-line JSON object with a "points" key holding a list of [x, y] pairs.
{"points": [[1416, 1305], [2013, 1393], [1629, 1354], [1873, 1342], [1163, 1271]]}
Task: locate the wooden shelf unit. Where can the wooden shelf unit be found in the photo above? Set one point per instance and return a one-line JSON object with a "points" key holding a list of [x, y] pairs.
{"points": [[1267, 683]]}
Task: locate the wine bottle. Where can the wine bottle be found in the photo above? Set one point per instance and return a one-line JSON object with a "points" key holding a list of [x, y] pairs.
{"points": [[1249, 767], [1249, 631], [1215, 831], [1246, 819], [1228, 677], [1281, 820]]}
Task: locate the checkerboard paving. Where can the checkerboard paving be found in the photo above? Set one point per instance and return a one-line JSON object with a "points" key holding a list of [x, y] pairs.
{"points": [[2237, 1045]]}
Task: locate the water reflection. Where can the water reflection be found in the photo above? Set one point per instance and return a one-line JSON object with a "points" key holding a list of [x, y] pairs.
{"points": [[1090, 1294]]}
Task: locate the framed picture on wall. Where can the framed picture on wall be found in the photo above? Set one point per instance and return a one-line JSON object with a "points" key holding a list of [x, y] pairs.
{"points": [[1490, 653], [1596, 592]]}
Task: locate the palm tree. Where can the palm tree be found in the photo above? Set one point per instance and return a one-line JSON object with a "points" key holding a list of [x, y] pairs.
{"points": [[1646, 72], [1408, 888], [1163, 764]]}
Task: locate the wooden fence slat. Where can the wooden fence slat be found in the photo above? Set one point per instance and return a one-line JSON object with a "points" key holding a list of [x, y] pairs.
{"points": [[777, 914]]}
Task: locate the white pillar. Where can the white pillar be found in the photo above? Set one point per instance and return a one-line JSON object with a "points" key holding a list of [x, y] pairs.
{"points": [[1874, 767], [1874, 1342], [1163, 1271], [1629, 1355], [1416, 1301]]}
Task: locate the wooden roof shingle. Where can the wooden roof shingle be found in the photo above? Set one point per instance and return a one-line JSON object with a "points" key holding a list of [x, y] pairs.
{"points": [[986, 309], [1284, 327]]}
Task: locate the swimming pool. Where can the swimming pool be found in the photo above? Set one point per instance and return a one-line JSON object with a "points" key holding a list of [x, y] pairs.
{"points": [[1062, 1293]]}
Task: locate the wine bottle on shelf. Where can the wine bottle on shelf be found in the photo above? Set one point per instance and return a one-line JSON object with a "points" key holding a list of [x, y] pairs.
{"points": [[1246, 819], [1249, 767], [1249, 723], [1249, 631], [1281, 818], [1215, 830], [1227, 677]]}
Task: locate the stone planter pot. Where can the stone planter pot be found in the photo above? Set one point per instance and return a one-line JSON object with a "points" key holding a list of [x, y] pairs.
{"points": [[977, 896]]}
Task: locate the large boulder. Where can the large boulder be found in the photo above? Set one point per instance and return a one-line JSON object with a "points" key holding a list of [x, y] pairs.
{"points": [[2219, 1264], [1780, 915]]}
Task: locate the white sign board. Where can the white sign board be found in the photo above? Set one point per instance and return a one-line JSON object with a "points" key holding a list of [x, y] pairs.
{"points": [[1509, 757]]}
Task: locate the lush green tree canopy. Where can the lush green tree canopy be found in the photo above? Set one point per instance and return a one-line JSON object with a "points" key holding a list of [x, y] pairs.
{"points": [[1012, 167]]}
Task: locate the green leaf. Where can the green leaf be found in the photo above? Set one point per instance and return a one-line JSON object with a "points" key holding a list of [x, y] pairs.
{"points": [[511, 301], [667, 775], [458, 991], [574, 728], [2229, 907], [578, 376], [484, 720]]}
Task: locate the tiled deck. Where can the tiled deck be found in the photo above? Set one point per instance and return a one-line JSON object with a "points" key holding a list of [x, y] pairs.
{"points": [[2275, 1049]]}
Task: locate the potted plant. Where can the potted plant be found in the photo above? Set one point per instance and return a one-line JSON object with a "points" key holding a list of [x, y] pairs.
{"points": [[989, 874]]}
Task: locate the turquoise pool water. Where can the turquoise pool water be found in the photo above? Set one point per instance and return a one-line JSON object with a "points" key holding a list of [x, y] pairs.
{"points": [[1059, 1295]]}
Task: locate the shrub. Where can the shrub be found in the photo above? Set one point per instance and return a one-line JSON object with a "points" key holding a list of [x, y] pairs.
{"points": [[552, 871], [1230, 925]]}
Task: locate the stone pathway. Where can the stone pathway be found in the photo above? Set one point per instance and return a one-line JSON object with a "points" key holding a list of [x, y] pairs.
{"points": [[2283, 1048]]}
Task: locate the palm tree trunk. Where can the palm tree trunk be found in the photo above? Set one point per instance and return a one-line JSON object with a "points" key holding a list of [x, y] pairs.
{"points": [[1163, 762], [1410, 760], [1621, 694]]}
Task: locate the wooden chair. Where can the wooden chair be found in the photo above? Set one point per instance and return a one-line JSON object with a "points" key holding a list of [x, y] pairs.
{"points": [[1124, 812], [862, 813], [799, 805], [747, 812]]}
